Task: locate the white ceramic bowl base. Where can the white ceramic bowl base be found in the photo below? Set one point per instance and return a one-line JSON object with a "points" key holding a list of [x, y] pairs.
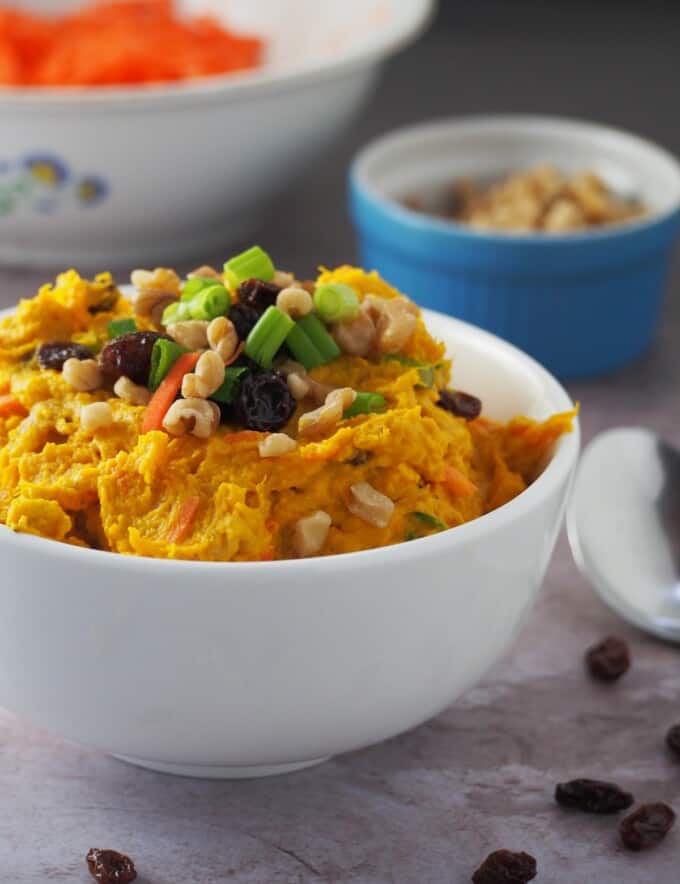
{"points": [[231, 670], [105, 177]]}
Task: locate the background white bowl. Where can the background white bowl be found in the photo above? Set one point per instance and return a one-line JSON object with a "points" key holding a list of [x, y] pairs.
{"points": [[213, 669], [141, 173]]}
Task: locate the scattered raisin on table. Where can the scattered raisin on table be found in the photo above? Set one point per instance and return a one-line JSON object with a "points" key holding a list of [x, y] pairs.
{"points": [[263, 401], [244, 319], [460, 404], [129, 355], [54, 355], [592, 796], [506, 867], [110, 867], [257, 294], [673, 739], [609, 659], [646, 826]]}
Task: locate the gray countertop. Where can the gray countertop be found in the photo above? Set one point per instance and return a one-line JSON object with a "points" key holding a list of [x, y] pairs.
{"points": [[426, 807]]}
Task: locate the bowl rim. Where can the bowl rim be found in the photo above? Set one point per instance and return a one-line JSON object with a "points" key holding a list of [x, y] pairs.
{"points": [[361, 183], [238, 85], [556, 472]]}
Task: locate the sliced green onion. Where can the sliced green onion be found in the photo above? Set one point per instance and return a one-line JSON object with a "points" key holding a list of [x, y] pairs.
{"points": [[193, 286], [335, 302], [209, 303], [178, 311], [254, 263], [163, 356], [317, 334], [227, 391], [267, 336], [365, 403], [428, 520], [118, 327], [303, 349], [425, 370]]}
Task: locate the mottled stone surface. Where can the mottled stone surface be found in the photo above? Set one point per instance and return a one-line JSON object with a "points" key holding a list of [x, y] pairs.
{"points": [[424, 808]]}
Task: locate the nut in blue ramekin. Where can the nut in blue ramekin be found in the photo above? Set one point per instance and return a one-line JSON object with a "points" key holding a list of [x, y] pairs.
{"points": [[581, 303]]}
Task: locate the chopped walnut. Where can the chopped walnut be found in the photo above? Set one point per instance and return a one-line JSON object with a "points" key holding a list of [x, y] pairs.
{"points": [[128, 391], [310, 533], [395, 321], [199, 417], [82, 374], [370, 505], [192, 333], [156, 289], [356, 337], [96, 416], [325, 418], [276, 445]]}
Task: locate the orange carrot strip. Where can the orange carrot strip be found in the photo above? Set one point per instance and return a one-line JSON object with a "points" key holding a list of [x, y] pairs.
{"points": [[185, 520], [457, 483], [9, 406], [237, 352], [164, 396]]}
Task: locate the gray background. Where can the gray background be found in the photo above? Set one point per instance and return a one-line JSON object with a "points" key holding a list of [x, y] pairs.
{"points": [[425, 807]]}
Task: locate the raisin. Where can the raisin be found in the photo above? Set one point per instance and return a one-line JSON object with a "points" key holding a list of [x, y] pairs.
{"points": [[257, 294], [110, 867], [592, 796], [646, 826], [673, 739], [609, 659], [460, 404], [244, 319], [54, 355], [506, 867], [263, 401], [129, 355]]}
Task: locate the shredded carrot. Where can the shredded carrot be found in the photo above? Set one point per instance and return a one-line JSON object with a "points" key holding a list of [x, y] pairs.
{"points": [[267, 555], [164, 396], [185, 520], [10, 406], [457, 483], [237, 352], [244, 436], [118, 43]]}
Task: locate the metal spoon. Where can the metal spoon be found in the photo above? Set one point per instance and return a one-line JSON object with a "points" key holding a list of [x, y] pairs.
{"points": [[624, 527]]}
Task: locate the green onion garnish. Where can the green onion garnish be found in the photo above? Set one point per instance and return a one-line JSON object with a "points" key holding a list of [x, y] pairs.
{"points": [[254, 263], [335, 302], [317, 334], [425, 370], [210, 302], [429, 520], [163, 356], [178, 311], [303, 349], [193, 286], [365, 403], [227, 391], [267, 336], [118, 327]]}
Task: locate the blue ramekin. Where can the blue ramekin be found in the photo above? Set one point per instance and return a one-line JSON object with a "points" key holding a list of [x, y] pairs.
{"points": [[581, 303]]}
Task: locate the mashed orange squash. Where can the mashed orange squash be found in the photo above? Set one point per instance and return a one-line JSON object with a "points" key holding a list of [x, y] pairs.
{"points": [[217, 498]]}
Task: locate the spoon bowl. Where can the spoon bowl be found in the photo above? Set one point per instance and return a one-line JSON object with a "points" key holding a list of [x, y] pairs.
{"points": [[624, 527]]}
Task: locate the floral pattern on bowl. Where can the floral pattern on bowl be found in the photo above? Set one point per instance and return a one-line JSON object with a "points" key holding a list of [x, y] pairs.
{"points": [[44, 183]]}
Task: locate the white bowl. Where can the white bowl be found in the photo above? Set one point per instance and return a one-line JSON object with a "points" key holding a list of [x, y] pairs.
{"points": [[229, 669], [132, 174]]}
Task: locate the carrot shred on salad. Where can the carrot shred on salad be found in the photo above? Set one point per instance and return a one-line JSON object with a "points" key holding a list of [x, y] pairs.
{"points": [[164, 396], [185, 520], [118, 43], [457, 482], [10, 406]]}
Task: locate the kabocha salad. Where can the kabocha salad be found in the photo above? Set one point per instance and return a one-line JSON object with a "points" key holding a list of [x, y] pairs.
{"points": [[243, 415]]}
